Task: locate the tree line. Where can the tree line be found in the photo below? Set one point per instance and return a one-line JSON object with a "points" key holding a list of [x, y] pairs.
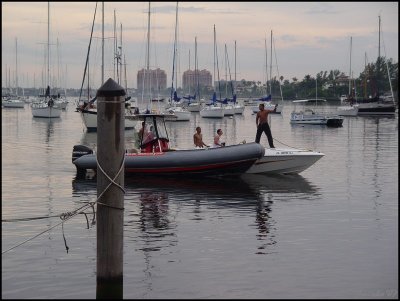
{"points": [[329, 84]]}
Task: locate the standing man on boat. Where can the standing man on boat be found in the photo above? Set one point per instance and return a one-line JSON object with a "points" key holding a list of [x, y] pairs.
{"points": [[198, 138], [263, 126]]}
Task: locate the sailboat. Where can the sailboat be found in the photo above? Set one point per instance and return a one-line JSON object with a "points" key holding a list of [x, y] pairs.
{"points": [[195, 105], [229, 109], [350, 109], [13, 101], [87, 108], [180, 112], [239, 108], [267, 99], [212, 110], [376, 105], [45, 107]]}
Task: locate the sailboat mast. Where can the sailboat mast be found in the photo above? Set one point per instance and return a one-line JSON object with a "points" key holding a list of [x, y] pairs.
{"points": [[102, 45], [120, 57], [351, 41], [16, 67], [58, 66], [48, 43], [270, 69], [196, 69], [115, 46], [266, 66], [379, 59], [226, 73], [214, 58], [173, 59], [148, 53], [176, 46], [190, 81], [235, 67], [366, 75]]}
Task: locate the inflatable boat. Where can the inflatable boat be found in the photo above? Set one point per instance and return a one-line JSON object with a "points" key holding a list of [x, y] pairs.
{"points": [[156, 158]]}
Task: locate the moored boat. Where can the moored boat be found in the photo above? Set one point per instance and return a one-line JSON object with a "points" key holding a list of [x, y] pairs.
{"points": [[156, 158], [284, 161]]}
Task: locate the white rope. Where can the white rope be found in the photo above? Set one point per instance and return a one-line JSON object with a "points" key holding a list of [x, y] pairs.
{"points": [[112, 181], [68, 215]]}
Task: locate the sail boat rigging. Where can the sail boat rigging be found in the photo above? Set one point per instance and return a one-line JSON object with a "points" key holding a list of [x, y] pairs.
{"points": [[195, 106], [180, 112], [87, 109], [350, 109], [267, 100], [212, 110], [46, 108], [377, 105], [14, 101]]}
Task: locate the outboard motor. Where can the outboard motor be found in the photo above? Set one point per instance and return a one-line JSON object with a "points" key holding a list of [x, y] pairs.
{"points": [[80, 150]]}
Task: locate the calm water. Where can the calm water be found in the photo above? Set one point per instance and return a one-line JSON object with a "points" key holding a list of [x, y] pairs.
{"points": [[330, 232]]}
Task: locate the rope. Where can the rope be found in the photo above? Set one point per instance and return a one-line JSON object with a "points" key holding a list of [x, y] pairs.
{"points": [[112, 181], [68, 215], [288, 145], [32, 218]]}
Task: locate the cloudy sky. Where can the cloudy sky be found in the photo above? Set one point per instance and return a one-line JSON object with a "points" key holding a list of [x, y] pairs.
{"points": [[308, 37]]}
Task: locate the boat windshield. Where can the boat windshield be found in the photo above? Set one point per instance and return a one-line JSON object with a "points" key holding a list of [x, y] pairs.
{"points": [[162, 131], [154, 128]]}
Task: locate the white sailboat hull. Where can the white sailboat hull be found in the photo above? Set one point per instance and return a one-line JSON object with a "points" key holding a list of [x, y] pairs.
{"points": [[42, 110], [347, 110], [90, 121], [194, 107], [239, 109], [284, 161], [376, 108], [212, 112], [180, 113], [13, 103], [229, 110]]}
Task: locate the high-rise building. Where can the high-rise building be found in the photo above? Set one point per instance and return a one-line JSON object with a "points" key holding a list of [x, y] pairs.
{"points": [[189, 79], [155, 79]]}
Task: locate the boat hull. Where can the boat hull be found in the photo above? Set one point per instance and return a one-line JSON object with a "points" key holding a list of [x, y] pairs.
{"points": [[212, 112], [13, 104], [347, 110], [374, 108], [234, 159], [316, 119], [194, 107], [41, 110], [89, 118], [284, 161]]}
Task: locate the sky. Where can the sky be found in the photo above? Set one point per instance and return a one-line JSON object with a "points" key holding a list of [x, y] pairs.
{"points": [[308, 37]]}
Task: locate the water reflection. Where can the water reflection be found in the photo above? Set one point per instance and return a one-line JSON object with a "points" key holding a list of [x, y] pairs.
{"points": [[46, 126], [281, 184], [151, 204]]}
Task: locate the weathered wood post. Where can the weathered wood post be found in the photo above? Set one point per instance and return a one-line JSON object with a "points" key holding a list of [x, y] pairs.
{"points": [[110, 183]]}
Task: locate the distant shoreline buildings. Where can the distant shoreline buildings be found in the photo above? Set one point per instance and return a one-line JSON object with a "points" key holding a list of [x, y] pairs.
{"points": [[156, 80]]}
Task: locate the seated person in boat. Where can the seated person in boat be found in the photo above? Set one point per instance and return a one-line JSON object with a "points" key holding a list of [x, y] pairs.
{"points": [[198, 139], [149, 135], [142, 131], [218, 140]]}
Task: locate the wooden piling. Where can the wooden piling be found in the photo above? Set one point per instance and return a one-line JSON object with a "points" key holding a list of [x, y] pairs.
{"points": [[110, 213]]}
